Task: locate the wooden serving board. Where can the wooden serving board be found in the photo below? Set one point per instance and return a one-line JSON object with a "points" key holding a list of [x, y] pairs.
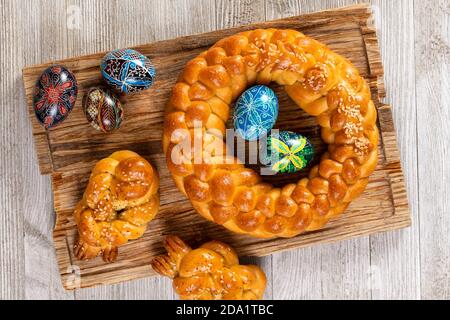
{"points": [[69, 151]]}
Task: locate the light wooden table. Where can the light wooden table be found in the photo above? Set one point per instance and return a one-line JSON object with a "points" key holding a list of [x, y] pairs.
{"points": [[415, 42]]}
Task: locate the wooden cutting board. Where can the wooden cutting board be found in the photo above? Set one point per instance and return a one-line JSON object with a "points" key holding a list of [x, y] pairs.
{"points": [[69, 151]]}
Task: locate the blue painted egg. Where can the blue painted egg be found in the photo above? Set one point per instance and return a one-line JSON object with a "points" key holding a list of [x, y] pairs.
{"points": [[127, 71], [54, 96], [255, 112], [287, 152]]}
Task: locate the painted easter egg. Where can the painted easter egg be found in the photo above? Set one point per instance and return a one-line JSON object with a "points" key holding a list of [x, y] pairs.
{"points": [[103, 109], [127, 71], [287, 152], [255, 112], [54, 96]]}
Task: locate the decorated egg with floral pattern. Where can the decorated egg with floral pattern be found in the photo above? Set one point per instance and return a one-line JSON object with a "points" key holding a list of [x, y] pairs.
{"points": [[255, 112], [287, 152], [103, 109], [127, 71], [54, 96]]}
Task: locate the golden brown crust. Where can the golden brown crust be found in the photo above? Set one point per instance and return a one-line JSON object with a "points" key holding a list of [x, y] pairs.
{"points": [[321, 82], [210, 272], [119, 201]]}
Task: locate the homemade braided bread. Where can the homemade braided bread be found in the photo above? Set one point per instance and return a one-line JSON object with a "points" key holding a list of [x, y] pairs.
{"points": [[211, 272], [319, 81], [119, 201]]}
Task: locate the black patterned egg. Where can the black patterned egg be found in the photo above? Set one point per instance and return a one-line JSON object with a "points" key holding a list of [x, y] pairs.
{"points": [[127, 71], [54, 96], [103, 109]]}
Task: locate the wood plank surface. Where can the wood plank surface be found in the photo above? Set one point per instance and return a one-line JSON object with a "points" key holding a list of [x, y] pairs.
{"points": [[40, 273], [74, 147], [433, 135], [394, 257], [11, 220], [403, 264]]}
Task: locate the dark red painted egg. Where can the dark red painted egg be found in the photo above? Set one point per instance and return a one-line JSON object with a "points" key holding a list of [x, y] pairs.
{"points": [[103, 109], [55, 95]]}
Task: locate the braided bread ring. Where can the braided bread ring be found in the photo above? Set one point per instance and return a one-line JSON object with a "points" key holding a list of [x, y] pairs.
{"points": [[319, 81], [210, 272], [119, 201]]}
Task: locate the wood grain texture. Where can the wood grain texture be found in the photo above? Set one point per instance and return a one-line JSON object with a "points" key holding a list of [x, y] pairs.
{"points": [[75, 147], [11, 178], [408, 263], [41, 281], [395, 269], [433, 96]]}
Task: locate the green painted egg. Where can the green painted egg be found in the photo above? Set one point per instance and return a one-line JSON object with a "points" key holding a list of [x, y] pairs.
{"points": [[287, 152]]}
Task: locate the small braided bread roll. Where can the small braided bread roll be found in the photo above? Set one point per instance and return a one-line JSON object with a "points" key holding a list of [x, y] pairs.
{"points": [[119, 201], [321, 82], [211, 272]]}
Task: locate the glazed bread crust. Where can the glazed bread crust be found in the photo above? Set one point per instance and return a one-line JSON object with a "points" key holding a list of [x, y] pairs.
{"points": [[321, 82], [120, 199], [210, 272]]}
